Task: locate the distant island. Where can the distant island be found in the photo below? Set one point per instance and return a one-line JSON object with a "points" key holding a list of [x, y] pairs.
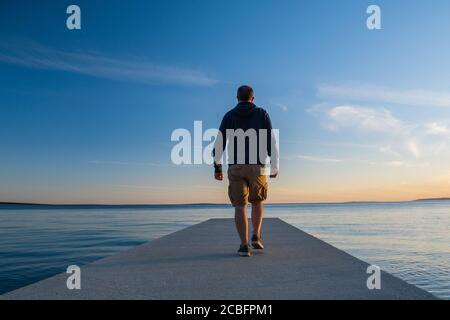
{"points": [[100, 205], [22, 204], [433, 199]]}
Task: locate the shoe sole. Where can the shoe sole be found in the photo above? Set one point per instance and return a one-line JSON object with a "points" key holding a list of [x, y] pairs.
{"points": [[245, 254], [257, 245]]}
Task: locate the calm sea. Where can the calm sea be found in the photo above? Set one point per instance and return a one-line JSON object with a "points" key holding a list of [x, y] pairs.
{"points": [[408, 239]]}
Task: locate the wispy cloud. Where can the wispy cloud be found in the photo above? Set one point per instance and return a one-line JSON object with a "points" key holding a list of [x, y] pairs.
{"points": [[317, 142], [370, 93], [319, 159], [413, 148], [125, 163], [171, 188], [281, 106], [128, 186], [34, 55], [403, 140], [362, 119], [396, 137], [437, 129], [314, 158]]}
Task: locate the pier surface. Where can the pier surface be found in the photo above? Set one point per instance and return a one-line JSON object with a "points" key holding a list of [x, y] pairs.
{"points": [[200, 262]]}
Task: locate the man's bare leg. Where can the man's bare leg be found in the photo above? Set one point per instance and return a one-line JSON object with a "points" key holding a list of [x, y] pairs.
{"points": [[257, 217], [240, 218]]}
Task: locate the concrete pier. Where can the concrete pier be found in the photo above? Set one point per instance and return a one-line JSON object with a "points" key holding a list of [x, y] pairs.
{"points": [[200, 262]]}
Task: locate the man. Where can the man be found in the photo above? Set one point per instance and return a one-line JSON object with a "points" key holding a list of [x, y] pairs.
{"points": [[248, 130]]}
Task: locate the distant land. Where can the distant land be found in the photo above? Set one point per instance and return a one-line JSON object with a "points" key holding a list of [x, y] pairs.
{"points": [[104, 205], [433, 199], [201, 204]]}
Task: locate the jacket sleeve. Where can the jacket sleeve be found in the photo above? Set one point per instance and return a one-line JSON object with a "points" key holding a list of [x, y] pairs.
{"points": [[272, 145], [219, 145], [268, 127]]}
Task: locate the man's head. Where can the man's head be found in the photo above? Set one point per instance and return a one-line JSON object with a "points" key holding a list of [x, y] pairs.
{"points": [[245, 94]]}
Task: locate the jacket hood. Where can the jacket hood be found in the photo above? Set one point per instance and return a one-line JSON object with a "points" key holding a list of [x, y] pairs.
{"points": [[244, 109]]}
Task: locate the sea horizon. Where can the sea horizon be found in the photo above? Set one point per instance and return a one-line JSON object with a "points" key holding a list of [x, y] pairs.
{"points": [[8, 203]]}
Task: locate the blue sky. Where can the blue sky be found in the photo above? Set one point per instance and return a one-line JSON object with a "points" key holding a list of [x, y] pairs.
{"points": [[86, 115]]}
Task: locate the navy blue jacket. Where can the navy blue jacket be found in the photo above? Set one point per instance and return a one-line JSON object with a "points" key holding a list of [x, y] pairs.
{"points": [[245, 115]]}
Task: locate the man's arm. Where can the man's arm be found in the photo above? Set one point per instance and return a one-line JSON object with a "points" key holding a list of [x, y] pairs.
{"points": [[219, 147], [272, 147]]}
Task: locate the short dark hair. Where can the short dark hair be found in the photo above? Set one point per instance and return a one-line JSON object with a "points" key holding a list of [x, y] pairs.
{"points": [[245, 93]]}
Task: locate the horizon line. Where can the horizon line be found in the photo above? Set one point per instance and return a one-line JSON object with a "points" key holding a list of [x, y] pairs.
{"points": [[212, 203]]}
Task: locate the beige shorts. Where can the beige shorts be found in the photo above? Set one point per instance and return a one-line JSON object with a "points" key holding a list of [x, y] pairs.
{"points": [[247, 184]]}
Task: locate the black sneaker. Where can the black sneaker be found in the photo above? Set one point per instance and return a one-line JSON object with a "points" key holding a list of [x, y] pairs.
{"points": [[244, 251], [257, 243]]}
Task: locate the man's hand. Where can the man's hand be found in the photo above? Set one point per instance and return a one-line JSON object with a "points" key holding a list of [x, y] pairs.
{"points": [[218, 176]]}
